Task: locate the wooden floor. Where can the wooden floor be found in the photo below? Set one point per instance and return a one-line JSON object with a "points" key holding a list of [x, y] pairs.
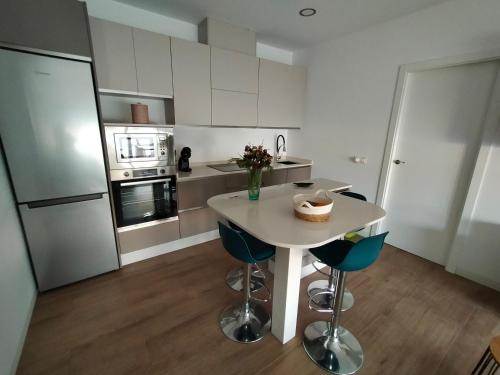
{"points": [[160, 317]]}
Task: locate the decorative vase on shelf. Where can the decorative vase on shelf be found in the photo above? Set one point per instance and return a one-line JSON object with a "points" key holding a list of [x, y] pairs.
{"points": [[255, 159], [254, 183]]}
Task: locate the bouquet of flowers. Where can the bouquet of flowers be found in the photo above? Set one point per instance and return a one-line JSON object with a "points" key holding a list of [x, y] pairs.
{"points": [[254, 159]]}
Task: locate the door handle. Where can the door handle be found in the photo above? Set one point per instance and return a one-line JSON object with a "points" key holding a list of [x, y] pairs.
{"points": [[399, 162]]}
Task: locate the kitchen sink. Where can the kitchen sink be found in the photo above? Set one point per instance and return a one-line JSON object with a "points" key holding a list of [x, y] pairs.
{"points": [[287, 162]]}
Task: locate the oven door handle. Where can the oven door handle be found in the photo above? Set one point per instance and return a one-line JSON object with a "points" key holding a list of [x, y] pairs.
{"points": [[144, 182]]}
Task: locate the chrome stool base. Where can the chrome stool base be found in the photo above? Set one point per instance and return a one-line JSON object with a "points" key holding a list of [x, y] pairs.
{"points": [[341, 355], [245, 323], [235, 279], [325, 300]]}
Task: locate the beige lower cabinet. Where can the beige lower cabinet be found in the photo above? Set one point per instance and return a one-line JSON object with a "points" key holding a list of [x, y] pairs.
{"points": [[197, 221], [298, 174], [274, 177], [145, 235], [236, 182]]}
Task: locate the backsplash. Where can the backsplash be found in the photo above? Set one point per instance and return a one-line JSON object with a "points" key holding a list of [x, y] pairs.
{"points": [[217, 144]]}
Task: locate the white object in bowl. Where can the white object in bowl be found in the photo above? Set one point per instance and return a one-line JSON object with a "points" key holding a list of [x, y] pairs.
{"points": [[303, 206]]}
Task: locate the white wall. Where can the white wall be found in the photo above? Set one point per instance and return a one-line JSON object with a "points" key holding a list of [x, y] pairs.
{"points": [[351, 84], [17, 286]]}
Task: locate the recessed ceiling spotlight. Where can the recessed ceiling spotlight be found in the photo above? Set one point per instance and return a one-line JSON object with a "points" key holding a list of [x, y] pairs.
{"points": [[307, 12]]}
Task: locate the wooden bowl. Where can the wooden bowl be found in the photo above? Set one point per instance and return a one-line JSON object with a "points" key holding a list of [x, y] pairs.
{"points": [[313, 207]]}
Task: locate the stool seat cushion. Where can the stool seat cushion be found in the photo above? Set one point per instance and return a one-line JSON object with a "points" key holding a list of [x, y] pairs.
{"points": [[243, 245], [333, 253], [350, 256]]}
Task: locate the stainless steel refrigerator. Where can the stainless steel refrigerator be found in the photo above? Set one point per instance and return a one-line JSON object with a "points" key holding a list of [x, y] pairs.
{"points": [[50, 136]]}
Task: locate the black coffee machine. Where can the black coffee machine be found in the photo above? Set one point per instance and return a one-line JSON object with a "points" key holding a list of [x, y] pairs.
{"points": [[183, 165]]}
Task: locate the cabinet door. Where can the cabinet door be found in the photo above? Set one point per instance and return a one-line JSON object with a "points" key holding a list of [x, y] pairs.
{"points": [[234, 71], [298, 174], [191, 81], [197, 221], [236, 182], [153, 63], [195, 193], [230, 108], [114, 55], [274, 177], [281, 95], [147, 236]]}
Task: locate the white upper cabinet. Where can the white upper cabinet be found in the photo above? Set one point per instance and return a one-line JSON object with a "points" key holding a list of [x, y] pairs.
{"points": [[191, 81], [235, 84], [282, 91], [114, 55], [230, 108], [234, 71], [153, 63], [131, 60]]}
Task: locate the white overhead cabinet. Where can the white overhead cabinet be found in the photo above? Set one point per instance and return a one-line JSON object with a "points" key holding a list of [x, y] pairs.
{"points": [[131, 60], [114, 55], [234, 88], [282, 91], [191, 81], [153, 62]]}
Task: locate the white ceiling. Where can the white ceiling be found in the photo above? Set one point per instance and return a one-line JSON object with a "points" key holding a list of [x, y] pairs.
{"points": [[278, 23]]}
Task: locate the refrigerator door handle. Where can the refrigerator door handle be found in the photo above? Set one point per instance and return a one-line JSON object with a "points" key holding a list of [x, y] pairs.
{"points": [[58, 201]]}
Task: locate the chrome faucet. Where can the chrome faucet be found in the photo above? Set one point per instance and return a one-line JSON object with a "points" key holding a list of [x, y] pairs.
{"points": [[278, 147]]}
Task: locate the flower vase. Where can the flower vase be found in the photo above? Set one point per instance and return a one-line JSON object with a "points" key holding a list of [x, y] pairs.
{"points": [[254, 182]]}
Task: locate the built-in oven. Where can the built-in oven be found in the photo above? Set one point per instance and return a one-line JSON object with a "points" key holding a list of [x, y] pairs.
{"points": [[144, 200], [132, 149]]}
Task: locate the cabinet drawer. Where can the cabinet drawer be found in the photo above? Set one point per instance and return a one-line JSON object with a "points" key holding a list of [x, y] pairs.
{"points": [[149, 235], [298, 174], [194, 194], [274, 177], [197, 221], [236, 182]]}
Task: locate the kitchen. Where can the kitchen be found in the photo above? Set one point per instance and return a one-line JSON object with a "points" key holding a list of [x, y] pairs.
{"points": [[137, 170]]}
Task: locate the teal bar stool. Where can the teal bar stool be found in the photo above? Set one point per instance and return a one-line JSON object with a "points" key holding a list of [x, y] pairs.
{"points": [[327, 343], [327, 286], [246, 321], [236, 277]]}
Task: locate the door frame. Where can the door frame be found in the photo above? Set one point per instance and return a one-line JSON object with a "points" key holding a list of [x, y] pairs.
{"points": [[489, 126]]}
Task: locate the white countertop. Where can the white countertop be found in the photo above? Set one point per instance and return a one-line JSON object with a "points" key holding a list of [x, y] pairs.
{"points": [[202, 170], [272, 220]]}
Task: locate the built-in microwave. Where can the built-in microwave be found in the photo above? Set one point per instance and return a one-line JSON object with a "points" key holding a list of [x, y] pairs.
{"points": [[138, 152]]}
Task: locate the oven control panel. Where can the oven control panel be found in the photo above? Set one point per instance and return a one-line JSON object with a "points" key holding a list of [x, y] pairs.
{"points": [[131, 174], [162, 147]]}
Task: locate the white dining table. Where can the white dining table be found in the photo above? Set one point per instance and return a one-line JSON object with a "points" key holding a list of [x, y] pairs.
{"points": [[271, 219]]}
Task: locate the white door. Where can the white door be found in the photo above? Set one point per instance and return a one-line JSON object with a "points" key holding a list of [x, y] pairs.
{"points": [[439, 129]]}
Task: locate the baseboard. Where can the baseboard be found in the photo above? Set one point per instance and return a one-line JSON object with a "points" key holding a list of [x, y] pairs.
{"points": [[25, 332], [478, 279], [168, 247]]}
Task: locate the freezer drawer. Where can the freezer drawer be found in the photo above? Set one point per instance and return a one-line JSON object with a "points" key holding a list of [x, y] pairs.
{"points": [[49, 127], [70, 241]]}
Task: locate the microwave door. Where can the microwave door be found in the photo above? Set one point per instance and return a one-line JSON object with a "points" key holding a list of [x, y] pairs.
{"points": [[49, 127]]}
